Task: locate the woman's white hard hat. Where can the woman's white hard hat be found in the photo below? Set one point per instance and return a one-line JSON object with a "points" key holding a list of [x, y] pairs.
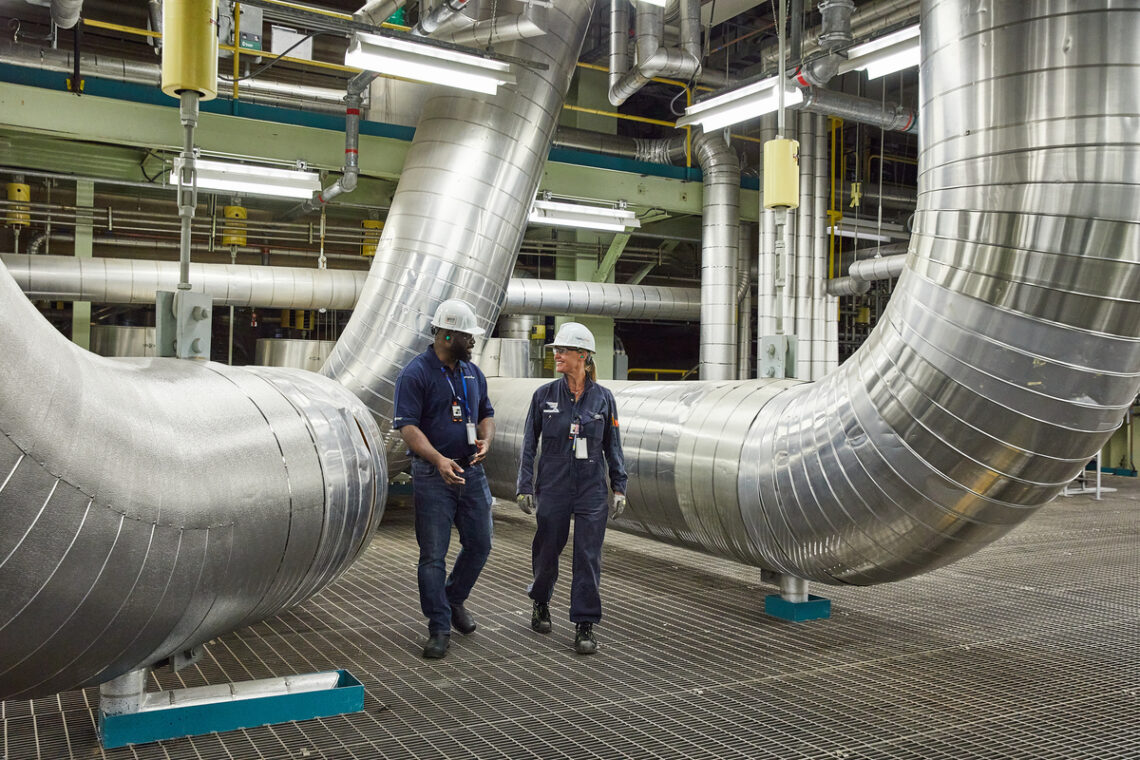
{"points": [[574, 335]]}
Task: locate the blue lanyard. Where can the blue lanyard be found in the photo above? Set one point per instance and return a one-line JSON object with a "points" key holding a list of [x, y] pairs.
{"points": [[463, 382]]}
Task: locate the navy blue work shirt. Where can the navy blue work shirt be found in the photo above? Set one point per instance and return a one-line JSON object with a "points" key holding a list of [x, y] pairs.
{"points": [[552, 412], [424, 397]]}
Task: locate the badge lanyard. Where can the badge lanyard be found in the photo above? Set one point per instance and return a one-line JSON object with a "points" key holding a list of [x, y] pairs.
{"points": [[577, 442], [471, 432]]}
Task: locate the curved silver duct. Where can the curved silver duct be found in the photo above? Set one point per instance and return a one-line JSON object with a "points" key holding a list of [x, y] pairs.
{"points": [[720, 248], [150, 505], [458, 214], [1006, 357], [103, 280], [652, 58]]}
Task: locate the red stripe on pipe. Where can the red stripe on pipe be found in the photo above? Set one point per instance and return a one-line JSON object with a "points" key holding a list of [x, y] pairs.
{"points": [[353, 112]]}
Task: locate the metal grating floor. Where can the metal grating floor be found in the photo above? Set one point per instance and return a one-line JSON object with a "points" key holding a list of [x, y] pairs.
{"points": [[1029, 649]]}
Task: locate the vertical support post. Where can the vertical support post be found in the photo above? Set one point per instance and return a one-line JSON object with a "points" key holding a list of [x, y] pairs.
{"points": [[123, 695], [237, 47], [84, 222]]}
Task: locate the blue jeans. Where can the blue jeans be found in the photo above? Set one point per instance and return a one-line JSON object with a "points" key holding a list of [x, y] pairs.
{"points": [[438, 506]]}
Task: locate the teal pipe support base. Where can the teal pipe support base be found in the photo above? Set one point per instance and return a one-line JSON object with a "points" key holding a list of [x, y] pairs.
{"points": [[206, 709], [815, 608]]}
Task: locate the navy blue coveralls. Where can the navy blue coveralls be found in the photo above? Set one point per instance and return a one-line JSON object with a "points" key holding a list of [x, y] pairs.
{"points": [[567, 486], [425, 393]]}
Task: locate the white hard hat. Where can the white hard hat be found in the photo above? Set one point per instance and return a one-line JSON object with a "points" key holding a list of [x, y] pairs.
{"points": [[574, 335], [456, 316]]}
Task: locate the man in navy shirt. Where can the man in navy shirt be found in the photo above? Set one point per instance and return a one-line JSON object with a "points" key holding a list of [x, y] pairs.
{"points": [[443, 414]]}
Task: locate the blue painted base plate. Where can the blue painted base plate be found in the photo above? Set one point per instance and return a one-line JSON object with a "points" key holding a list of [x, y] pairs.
{"points": [[227, 714], [815, 608]]}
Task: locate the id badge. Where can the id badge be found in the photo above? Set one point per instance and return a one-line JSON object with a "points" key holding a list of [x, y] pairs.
{"points": [[471, 434], [580, 449], [573, 430], [456, 412]]}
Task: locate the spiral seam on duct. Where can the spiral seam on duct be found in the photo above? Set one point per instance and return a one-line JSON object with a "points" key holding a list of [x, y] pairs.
{"points": [[1007, 354]]}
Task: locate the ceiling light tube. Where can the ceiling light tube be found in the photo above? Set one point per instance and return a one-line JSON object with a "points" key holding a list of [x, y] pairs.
{"points": [[658, 3], [556, 214], [427, 63], [886, 55], [739, 105], [857, 234], [246, 179]]}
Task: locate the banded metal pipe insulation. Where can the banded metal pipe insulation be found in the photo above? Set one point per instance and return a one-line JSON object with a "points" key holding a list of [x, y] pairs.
{"points": [[1005, 359]]}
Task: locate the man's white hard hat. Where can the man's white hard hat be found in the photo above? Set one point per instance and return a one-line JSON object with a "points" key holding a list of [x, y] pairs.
{"points": [[456, 316]]}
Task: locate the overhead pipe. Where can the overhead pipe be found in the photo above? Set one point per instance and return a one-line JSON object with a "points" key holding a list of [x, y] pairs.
{"points": [[496, 30], [891, 117], [438, 16], [652, 58], [100, 66], [65, 13], [377, 12], [994, 375], [885, 263], [134, 281], [720, 247]]}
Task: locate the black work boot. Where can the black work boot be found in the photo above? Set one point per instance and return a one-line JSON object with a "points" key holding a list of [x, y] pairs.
{"points": [[436, 646], [540, 617], [461, 619], [584, 641]]}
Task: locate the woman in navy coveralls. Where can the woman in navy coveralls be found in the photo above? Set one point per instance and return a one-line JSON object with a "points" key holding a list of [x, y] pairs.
{"points": [[577, 423]]}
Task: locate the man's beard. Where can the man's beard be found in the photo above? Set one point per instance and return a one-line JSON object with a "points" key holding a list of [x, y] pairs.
{"points": [[460, 351]]}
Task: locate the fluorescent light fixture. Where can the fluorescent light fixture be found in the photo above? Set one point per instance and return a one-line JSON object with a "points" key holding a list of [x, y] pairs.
{"points": [[848, 232], [658, 3], [886, 55], [738, 105], [427, 63], [246, 179], [556, 214]]}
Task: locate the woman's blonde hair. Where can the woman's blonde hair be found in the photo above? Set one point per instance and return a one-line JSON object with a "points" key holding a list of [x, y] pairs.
{"points": [[591, 369]]}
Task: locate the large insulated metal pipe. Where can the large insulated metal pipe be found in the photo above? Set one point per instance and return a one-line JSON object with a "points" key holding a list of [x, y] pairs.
{"points": [[720, 248], [1007, 355], [148, 506], [103, 280], [459, 212]]}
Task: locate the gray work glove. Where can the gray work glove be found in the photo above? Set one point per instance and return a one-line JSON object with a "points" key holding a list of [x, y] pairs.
{"points": [[526, 503], [617, 506]]}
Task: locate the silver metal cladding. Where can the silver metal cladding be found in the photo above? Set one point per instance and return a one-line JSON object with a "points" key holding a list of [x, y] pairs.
{"points": [[106, 280], [1009, 351], [720, 244], [1006, 357], [458, 214], [149, 505]]}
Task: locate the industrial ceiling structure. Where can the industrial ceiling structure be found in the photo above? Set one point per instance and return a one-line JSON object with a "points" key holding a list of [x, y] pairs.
{"points": [[1002, 355]]}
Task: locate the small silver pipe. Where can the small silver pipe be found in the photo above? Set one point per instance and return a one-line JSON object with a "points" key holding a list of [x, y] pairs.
{"points": [[892, 117], [793, 589]]}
